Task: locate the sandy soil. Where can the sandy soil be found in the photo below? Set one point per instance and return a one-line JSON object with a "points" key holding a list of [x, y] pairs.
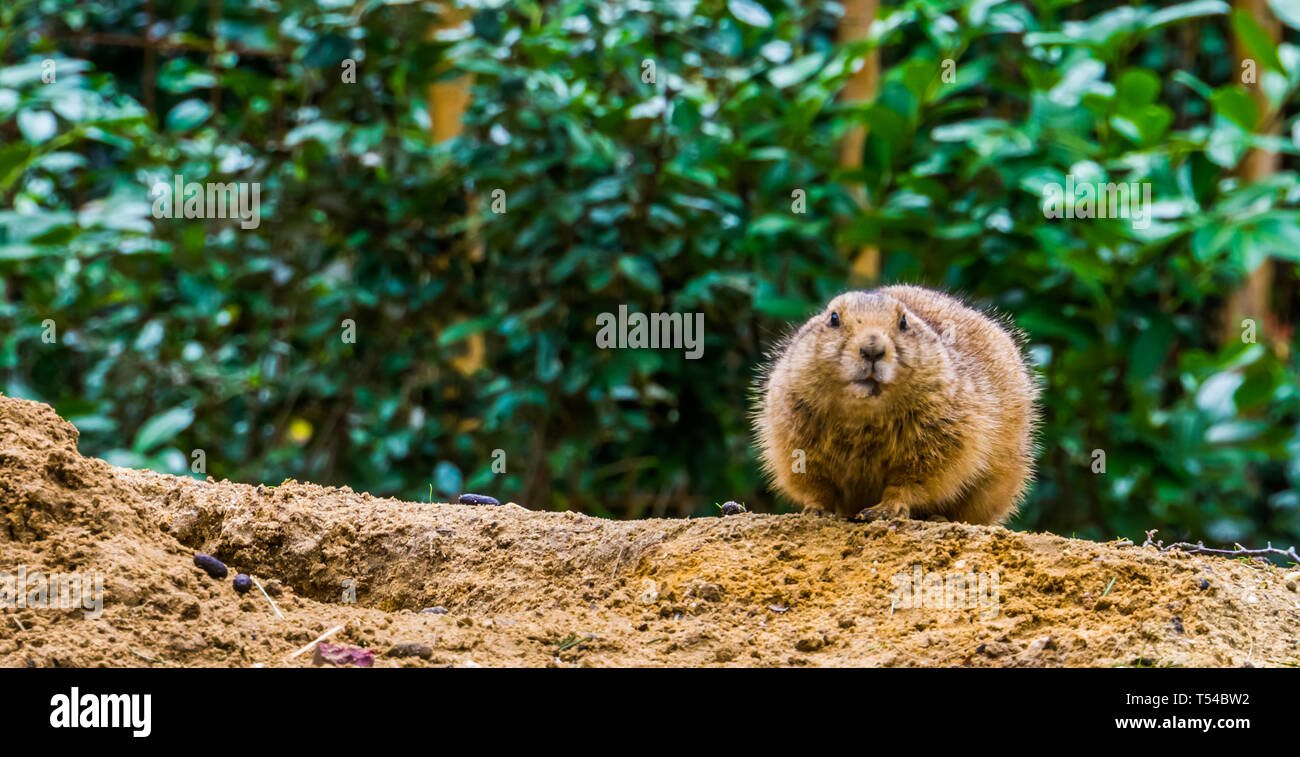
{"points": [[512, 587]]}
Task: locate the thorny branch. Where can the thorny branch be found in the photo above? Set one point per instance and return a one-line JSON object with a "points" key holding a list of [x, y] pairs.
{"points": [[1238, 551]]}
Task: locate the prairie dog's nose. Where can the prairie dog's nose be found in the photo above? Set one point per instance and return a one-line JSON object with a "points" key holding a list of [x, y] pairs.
{"points": [[872, 351]]}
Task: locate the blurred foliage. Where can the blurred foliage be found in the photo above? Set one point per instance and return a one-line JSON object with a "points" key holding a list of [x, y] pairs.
{"points": [[475, 330]]}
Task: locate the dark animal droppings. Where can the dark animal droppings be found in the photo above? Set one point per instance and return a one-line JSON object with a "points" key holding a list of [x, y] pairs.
{"points": [[243, 583], [477, 499], [411, 649], [211, 565], [733, 508]]}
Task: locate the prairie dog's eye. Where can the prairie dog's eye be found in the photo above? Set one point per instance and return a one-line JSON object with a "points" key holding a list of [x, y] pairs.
{"points": [[902, 323], [835, 320]]}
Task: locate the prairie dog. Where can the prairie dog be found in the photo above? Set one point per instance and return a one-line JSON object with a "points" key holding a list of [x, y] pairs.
{"points": [[899, 402]]}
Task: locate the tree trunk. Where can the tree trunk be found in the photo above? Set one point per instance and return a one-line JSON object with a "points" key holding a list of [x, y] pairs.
{"points": [[1251, 300], [448, 98], [858, 15]]}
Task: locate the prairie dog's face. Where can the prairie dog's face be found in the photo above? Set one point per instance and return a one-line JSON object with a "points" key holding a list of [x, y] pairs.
{"points": [[868, 345]]}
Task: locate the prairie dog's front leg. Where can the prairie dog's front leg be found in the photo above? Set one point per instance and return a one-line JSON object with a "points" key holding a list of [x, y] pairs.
{"points": [[815, 494], [897, 501]]}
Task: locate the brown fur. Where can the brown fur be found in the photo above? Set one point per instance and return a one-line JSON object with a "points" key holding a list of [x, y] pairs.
{"points": [[946, 432]]}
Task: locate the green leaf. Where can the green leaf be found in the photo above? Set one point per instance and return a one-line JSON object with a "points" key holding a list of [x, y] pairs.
{"points": [[162, 428], [773, 224], [1287, 11], [640, 271], [750, 12], [1107, 27], [1150, 348], [187, 115], [604, 190], [1137, 87], [21, 251], [459, 331], [1256, 390], [180, 76], [1236, 431], [1237, 106], [1227, 143], [12, 156], [793, 73], [1256, 41], [325, 132], [1080, 78], [1196, 85], [37, 126], [1215, 396], [1183, 11]]}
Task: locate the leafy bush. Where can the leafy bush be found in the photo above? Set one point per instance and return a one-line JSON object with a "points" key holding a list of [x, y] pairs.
{"points": [[475, 330]]}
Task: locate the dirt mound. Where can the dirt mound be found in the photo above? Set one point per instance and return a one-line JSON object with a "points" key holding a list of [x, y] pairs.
{"points": [[439, 584]]}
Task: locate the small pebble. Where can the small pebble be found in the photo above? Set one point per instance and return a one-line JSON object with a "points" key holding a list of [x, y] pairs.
{"points": [[477, 499], [435, 610], [211, 565], [411, 649], [809, 644], [733, 508], [1038, 645], [243, 583]]}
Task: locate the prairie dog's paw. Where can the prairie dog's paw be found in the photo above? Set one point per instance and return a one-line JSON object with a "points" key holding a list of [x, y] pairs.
{"points": [[883, 511]]}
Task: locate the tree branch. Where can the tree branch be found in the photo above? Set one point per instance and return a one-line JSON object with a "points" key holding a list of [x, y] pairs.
{"points": [[1238, 551]]}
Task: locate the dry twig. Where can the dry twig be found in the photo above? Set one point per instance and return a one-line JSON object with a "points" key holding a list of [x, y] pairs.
{"points": [[317, 640], [1238, 550]]}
